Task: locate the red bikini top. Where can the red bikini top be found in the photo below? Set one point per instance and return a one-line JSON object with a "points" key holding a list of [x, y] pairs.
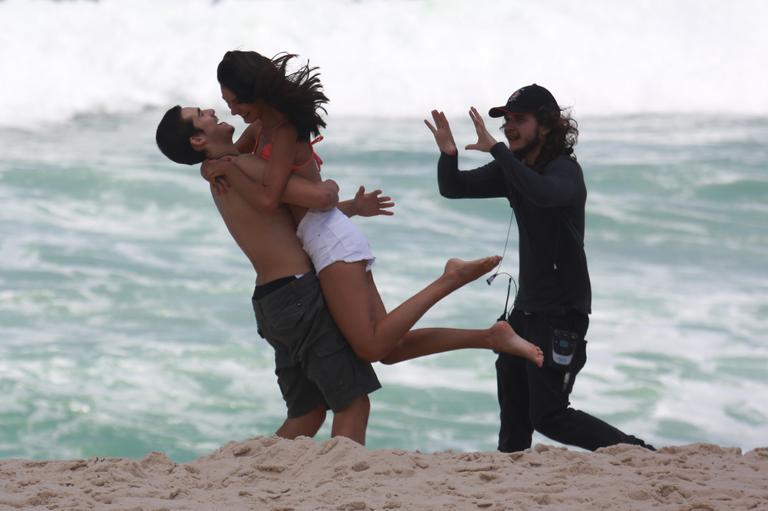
{"points": [[266, 152]]}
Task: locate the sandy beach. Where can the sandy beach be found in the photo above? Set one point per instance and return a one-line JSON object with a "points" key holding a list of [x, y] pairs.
{"points": [[268, 473]]}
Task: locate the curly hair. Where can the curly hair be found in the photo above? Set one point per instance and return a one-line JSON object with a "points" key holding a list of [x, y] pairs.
{"points": [[563, 134], [299, 95]]}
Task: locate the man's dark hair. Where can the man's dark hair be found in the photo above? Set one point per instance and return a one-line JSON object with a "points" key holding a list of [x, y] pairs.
{"points": [[563, 135], [172, 137], [299, 96]]}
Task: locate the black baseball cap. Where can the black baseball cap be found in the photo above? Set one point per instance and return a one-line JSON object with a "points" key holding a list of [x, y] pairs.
{"points": [[529, 99]]}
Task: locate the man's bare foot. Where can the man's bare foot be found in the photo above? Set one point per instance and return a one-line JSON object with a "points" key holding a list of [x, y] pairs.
{"points": [[503, 338], [466, 271]]}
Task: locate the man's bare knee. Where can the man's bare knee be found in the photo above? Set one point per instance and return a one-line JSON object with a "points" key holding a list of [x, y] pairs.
{"points": [[352, 421], [361, 405], [304, 425], [318, 416]]}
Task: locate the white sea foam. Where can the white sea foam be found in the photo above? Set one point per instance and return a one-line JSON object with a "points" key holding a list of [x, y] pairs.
{"points": [[388, 59]]}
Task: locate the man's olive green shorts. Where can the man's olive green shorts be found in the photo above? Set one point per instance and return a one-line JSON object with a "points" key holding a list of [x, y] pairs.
{"points": [[314, 364]]}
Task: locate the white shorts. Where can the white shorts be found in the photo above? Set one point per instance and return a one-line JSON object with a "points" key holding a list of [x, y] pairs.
{"points": [[330, 236]]}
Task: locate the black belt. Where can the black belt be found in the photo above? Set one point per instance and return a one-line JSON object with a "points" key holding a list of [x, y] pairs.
{"points": [[264, 289]]}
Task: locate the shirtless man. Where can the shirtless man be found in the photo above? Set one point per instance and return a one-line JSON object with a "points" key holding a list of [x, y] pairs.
{"points": [[316, 369]]}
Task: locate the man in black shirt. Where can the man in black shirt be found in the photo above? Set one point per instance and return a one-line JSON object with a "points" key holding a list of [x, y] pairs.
{"points": [[540, 177]]}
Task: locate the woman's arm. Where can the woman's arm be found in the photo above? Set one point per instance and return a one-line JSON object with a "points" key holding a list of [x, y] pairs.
{"points": [[279, 166], [367, 204], [244, 175]]}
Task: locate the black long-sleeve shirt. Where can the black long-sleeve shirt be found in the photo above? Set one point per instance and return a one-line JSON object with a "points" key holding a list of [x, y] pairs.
{"points": [[549, 209]]}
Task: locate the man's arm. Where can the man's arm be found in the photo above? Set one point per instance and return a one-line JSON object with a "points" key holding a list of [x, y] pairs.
{"points": [[483, 182], [558, 186], [561, 184], [244, 174]]}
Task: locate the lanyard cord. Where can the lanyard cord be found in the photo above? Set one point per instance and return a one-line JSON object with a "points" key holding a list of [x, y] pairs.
{"points": [[505, 313], [489, 280]]}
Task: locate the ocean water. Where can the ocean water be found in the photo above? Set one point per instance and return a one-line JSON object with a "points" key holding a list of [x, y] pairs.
{"points": [[125, 319]]}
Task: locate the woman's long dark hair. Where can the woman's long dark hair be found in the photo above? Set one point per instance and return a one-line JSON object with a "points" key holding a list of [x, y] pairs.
{"points": [[563, 135], [299, 95]]}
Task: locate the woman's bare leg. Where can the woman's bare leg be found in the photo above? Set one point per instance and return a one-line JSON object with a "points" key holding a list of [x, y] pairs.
{"points": [[352, 303], [427, 341], [500, 337]]}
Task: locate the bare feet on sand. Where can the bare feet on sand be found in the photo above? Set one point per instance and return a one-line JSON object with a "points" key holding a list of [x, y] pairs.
{"points": [[467, 271], [504, 339]]}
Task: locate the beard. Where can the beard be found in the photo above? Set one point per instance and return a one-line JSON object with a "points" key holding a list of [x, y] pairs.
{"points": [[524, 151]]}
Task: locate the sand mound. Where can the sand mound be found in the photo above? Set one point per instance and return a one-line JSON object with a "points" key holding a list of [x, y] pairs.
{"points": [[268, 473]]}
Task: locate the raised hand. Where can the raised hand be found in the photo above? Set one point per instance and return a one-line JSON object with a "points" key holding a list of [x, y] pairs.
{"points": [[442, 133], [372, 203], [484, 139]]}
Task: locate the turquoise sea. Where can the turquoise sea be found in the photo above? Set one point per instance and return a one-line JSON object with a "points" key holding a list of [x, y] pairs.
{"points": [[125, 319]]}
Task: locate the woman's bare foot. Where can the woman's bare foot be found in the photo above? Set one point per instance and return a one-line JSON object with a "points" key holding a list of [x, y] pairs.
{"points": [[503, 338], [465, 272]]}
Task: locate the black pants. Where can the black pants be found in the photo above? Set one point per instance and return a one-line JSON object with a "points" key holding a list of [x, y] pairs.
{"points": [[536, 398]]}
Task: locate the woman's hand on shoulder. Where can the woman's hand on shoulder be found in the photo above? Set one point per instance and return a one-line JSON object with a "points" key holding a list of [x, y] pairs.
{"points": [[215, 172]]}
